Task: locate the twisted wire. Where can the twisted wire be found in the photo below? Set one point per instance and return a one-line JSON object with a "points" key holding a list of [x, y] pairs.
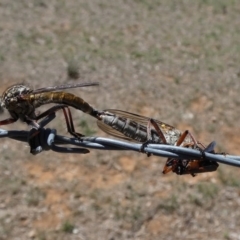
{"points": [[45, 139]]}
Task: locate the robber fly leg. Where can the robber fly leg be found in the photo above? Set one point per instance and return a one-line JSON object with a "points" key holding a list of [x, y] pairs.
{"points": [[8, 121], [69, 122], [34, 124], [153, 125], [67, 115]]}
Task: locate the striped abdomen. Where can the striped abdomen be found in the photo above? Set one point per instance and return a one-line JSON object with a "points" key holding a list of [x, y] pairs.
{"points": [[126, 128], [69, 99]]}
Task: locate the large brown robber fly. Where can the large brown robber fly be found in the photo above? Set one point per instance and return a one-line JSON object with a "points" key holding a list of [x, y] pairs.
{"points": [[22, 101], [133, 127]]}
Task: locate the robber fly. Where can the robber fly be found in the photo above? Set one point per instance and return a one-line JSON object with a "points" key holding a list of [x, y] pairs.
{"points": [[22, 101], [133, 127]]}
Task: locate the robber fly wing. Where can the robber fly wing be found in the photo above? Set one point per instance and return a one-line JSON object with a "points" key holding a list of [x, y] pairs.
{"points": [[64, 86]]}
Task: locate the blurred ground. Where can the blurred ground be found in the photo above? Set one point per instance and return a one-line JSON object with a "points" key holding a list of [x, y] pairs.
{"points": [[176, 61]]}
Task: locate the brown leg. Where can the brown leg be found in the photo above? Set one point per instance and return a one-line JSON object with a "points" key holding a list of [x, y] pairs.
{"points": [[183, 136], [69, 122], [171, 163], [152, 124], [8, 121]]}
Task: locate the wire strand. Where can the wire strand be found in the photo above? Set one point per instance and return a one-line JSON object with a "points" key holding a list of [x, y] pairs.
{"points": [[45, 139]]}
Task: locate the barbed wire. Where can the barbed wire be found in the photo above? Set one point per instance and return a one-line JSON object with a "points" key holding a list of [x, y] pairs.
{"points": [[44, 139]]}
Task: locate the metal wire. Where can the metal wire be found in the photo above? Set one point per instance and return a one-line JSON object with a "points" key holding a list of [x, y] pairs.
{"points": [[44, 139]]}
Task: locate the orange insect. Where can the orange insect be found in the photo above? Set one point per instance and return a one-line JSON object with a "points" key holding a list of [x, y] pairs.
{"points": [[192, 166]]}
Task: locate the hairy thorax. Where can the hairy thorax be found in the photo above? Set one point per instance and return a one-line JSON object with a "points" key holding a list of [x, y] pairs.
{"points": [[12, 101]]}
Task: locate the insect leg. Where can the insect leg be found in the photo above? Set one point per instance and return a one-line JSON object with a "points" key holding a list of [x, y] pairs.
{"points": [[152, 124], [67, 115], [183, 136], [8, 121], [176, 165], [191, 166], [69, 122]]}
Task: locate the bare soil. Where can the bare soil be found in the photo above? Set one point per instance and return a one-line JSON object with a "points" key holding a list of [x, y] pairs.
{"points": [[176, 61]]}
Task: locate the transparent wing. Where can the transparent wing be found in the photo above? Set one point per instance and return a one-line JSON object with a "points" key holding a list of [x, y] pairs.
{"points": [[64, 86]]}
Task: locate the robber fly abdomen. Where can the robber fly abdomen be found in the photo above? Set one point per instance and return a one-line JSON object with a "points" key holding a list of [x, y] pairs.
{"points": [[39, 99]]}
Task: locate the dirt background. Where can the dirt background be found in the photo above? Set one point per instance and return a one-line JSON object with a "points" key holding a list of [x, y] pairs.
{"points": [[176, 61]]}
